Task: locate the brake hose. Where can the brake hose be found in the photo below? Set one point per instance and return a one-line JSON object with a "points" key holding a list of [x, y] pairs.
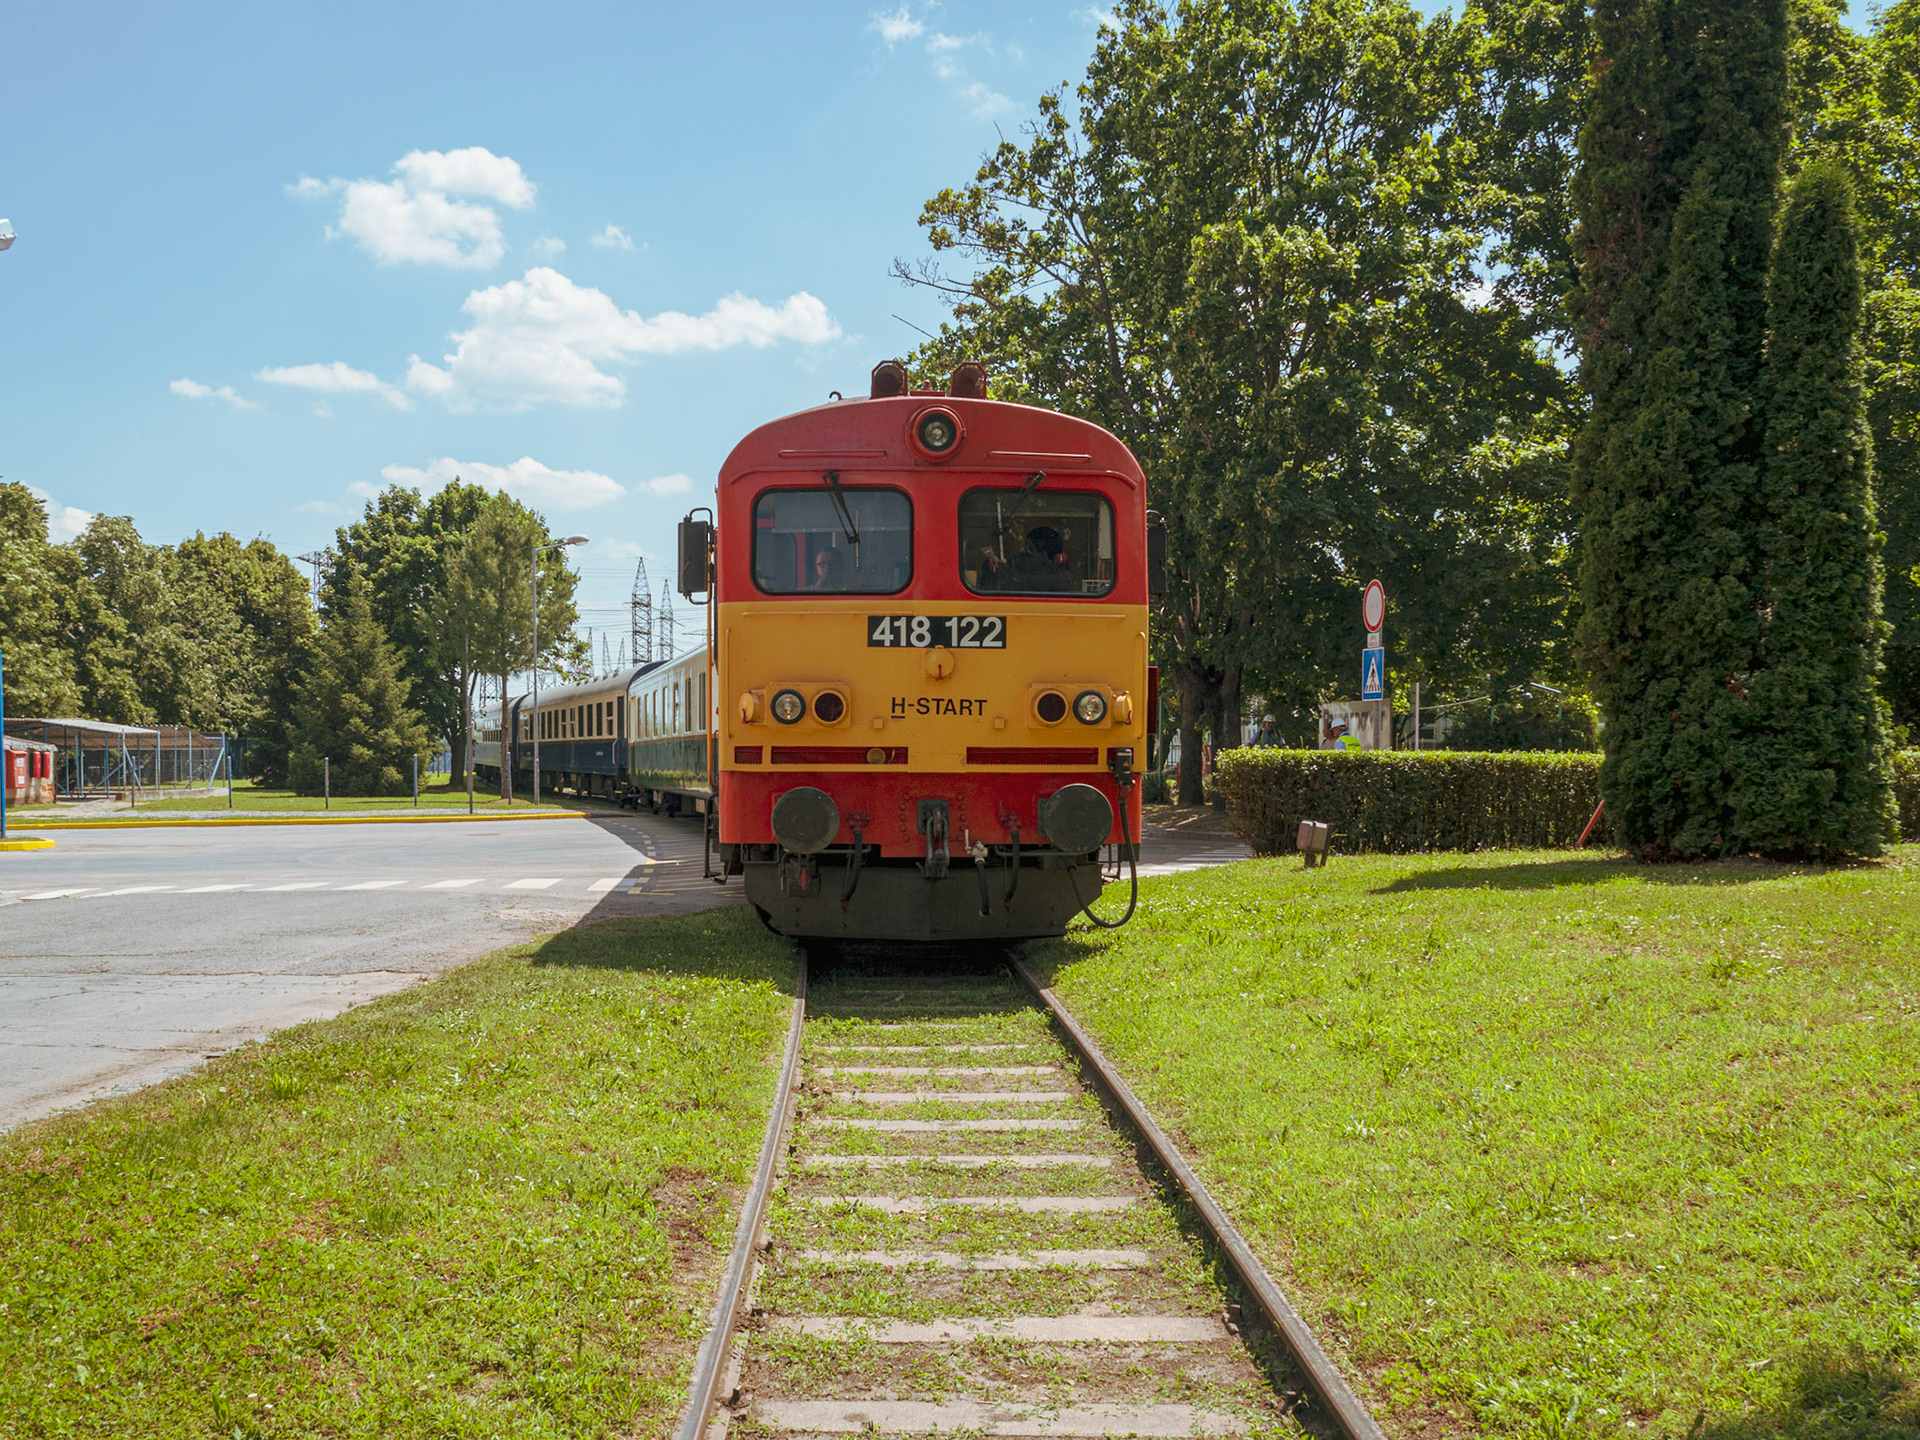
{"points": [[1133, 865], [1013, 862], [852, 882]]}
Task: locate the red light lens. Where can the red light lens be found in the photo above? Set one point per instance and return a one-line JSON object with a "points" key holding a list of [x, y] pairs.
{"points": [[829, 706]]}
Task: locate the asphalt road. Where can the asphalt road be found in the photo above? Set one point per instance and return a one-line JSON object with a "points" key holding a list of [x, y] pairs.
{"points": [[130, 955], [133, 954]]}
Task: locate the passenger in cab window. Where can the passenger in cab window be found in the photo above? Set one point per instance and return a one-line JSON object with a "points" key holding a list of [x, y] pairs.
{"points": [[829, 570]]}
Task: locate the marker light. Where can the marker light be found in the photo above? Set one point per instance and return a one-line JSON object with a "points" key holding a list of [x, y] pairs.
{"points": [[1051, 707], [1089, 707], [829, 706], [789, 707]]}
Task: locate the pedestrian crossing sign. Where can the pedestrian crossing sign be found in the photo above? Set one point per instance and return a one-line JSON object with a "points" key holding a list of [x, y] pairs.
{"points": [[1373, 674]]}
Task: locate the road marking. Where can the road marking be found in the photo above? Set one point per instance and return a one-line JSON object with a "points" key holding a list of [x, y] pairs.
{"points": [[133, 890], [956, 1097], [602, 886], [939, 1072], [209, 889], [954, 1260], [1024, 1204], [297, 885], [964, 1162], [997, 1420], [1046, 1329], [916, 1127], [533, 884], [58, 894], [451, 884], [374, 885]]}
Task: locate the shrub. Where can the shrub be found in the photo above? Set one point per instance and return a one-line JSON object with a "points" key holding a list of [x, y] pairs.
{"points": [[1906, 792], [1407, 801]]}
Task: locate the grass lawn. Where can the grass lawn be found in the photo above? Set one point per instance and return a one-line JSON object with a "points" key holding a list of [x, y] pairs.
{"points": [[437, 796], [1548, 1145], [494, 1205]]}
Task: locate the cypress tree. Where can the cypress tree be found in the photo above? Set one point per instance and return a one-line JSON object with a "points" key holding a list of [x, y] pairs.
{"points": [[1679, 162], [351, 706], [1821, 781]]}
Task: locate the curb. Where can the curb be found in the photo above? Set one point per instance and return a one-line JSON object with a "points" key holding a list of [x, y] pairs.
{"points": [[300, 820], [28, 844]]}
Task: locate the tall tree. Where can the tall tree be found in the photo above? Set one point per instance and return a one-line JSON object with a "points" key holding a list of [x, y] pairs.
{"points": [[1822, 783], [1256, 256], [488, 613], [39, 664], [402, 544], [256, 671], [1679, 164], [1857, 105], [352, 718]]}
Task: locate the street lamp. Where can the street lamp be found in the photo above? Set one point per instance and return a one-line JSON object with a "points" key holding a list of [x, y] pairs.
{"points": [[534, 580]]}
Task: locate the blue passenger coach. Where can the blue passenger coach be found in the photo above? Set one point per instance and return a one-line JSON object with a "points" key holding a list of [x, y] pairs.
{"points": [[639, 736]]}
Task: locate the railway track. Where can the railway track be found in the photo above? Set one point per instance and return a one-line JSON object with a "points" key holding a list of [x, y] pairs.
{"points": [[964, 1224]]}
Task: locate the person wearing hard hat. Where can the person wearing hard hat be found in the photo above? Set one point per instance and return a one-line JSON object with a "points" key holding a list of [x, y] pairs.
{"points": [[1266, 737]]}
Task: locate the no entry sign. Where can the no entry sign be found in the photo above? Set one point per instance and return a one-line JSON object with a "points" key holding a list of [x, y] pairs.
{"points": [[1373, 606]]}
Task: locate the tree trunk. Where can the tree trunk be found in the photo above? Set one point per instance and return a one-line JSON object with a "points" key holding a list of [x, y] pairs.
{"points": [[1193, 700], [1227, 717], [506, 746]]}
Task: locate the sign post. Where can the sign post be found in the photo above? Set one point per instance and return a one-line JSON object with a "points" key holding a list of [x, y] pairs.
{"points": [[1373, 662]]}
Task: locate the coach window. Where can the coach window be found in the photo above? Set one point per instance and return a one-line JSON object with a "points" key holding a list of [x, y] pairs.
{"points": [[1029, 540], [833, 539]]}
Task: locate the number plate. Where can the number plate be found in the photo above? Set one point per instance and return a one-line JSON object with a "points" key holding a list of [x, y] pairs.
{"points": [[923, 632]]}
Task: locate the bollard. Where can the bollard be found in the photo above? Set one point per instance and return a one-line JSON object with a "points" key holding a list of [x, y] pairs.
{"points": [[1312, 842], [326, 782]]}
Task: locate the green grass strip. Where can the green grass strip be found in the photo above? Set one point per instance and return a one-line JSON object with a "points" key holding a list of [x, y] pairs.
{"points": [[1554, 1146], [494, 1205]]}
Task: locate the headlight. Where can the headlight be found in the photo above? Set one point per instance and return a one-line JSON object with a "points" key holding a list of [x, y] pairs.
{"points": [[1089, 707], [938, 432], [789, 706], [1051, 707], [829, 706]]}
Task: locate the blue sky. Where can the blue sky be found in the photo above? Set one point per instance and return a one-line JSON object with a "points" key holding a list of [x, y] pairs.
{"points": [[272, 257]]}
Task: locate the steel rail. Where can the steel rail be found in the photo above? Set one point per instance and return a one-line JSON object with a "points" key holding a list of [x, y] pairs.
{"points": [[1350, 1414], [726, 1310]]}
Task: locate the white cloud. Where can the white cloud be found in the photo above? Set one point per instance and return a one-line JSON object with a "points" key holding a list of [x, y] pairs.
{"points": [[194, 390], [317, 507], [1100, 19], [897, 26], [669, 484], [525, 479], [548, 245], [938, 42], [613, 238], [335, 378], [621, 550], [413, 218], [64, 522], [544, 338], [363, 489], [987, 102]]}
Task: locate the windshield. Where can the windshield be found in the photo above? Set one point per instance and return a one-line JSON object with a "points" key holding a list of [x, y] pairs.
{"points": [[833, 540], [1035, 541]]}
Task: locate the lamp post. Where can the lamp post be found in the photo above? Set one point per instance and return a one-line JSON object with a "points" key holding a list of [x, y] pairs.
{"points": [[534, 582]]}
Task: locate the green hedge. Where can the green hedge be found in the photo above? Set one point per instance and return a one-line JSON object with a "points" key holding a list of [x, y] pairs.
{"points": [[1402, 802], [1407, 801]]}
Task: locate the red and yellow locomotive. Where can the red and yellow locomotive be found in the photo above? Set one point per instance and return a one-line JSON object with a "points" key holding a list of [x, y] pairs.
{"points": [[929, 662]]}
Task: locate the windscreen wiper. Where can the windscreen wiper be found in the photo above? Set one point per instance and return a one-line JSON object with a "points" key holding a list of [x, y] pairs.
{"points": [[832, 477], [1033, 484]]}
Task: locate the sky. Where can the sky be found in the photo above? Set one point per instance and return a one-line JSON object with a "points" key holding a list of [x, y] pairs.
{"points": [[272, 258]]}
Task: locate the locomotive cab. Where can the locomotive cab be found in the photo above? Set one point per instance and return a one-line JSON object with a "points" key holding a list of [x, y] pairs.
{"points": [[929, 618]]}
